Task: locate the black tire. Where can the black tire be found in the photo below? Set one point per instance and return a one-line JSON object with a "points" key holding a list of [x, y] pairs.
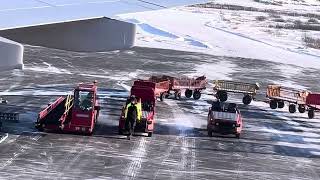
{"points": [[196, 95], [311, 114], [177, 95], [273, 104], [246, 99], [301, 108], [222, 96], [188, 93], [149, 134], [162, 96], [209, 133], [292, 108], [280, 104], [238, 135]]}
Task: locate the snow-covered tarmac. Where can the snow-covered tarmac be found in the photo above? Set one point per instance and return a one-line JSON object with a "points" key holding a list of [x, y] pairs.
{"points": [[275, 144]]}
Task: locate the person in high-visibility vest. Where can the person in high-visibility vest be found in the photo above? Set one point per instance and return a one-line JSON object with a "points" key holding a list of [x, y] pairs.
{"points": [[131, 116], [139, 109]]}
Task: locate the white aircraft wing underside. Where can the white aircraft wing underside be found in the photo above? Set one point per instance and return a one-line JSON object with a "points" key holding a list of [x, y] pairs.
{"points": [[24, 13]]}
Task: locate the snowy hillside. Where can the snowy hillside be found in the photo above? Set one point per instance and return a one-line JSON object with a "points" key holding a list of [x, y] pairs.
{"points": [[236, 33]]}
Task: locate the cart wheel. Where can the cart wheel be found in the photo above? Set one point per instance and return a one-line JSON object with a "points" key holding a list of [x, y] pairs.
{"points": [[311, 114], [149, 134], [301, 108], [222, 95], [196, 95], [246, 99], [292, 108], [177, 95], [188, 93], [273, 104], [209, 133], [238, 135], [162, 96], [280, 104], [167, 95]]}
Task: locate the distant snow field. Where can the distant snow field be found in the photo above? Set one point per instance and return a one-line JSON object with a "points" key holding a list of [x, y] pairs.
{"points": [[232, 33]]}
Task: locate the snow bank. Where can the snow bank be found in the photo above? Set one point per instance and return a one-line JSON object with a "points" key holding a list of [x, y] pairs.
{"points": [[217, 40], [11, 54]]}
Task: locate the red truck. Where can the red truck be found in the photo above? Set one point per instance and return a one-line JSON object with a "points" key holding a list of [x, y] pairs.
{"points": [[224, 118], [147, 91], [77, 113]]}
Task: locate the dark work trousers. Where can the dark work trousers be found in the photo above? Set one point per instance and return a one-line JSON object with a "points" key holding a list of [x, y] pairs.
{"points": [[130, 124]]}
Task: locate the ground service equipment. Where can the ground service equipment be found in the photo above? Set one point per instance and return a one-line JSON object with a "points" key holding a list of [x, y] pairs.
{"points": [[191, 86], [313, 104], [278, 95], [147, 91], [224, 118], [7, 112], [77, 113], [223, 87]]}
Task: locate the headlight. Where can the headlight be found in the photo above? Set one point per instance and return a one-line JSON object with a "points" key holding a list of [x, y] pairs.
{"points": [[217, 124]]}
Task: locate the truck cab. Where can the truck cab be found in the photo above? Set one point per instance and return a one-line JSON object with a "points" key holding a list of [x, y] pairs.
{"points": [[85, 110], [224, 118]]}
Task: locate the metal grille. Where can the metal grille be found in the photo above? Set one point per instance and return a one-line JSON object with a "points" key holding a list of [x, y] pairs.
{"points": [[225, 116], [232, 86], [9, 116]]}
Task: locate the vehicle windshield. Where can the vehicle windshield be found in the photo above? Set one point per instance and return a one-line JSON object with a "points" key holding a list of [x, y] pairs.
{"points": [[84, 100]]}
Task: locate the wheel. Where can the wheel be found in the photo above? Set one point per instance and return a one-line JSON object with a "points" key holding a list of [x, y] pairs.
{"points": [[177, 95], [188, 93], [196, 95], [149, 134], [246, 99], [311, 113], [222, 95], [162, 96], [273, 104], [167, 95], [238, 135], [301, 108], [280, 104], [209, 133], [292, 108]]}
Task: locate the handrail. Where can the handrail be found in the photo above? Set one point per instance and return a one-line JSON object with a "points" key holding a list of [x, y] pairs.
{"points": [[69, 103]]}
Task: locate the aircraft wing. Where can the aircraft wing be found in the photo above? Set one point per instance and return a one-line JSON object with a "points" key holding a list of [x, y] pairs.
{"points": [[24, 13], [72, 25]]}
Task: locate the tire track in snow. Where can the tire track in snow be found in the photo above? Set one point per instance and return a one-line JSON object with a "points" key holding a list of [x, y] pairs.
{"points": [[139, 152], [186, 165]]}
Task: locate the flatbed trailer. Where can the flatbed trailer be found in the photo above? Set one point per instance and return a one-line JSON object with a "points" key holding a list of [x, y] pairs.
{"points": [[147, 91], [279, 95], [77, 113], [191, 86], [223, 87]]}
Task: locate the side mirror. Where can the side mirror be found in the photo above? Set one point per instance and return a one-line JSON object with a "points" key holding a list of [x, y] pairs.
{"points": [[97, 108]]}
